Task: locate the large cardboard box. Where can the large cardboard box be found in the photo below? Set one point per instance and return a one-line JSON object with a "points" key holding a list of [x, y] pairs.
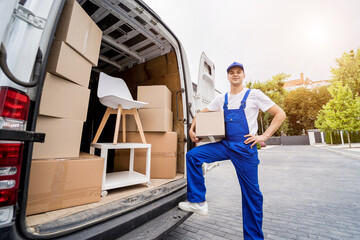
{"points": [[64, 99], [163, 165], [156, 119], [61, 183], [160, 142], [157, 96], [210, 126], [163, 154], [63, 138], [130, 123], [67, 63], [78, 30]]}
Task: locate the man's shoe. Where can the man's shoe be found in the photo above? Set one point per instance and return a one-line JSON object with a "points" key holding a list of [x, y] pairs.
{"points": [[194, 207]]}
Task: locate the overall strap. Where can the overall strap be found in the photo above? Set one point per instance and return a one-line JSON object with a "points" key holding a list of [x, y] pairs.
{"points": [[225, 107], [243, 102]]}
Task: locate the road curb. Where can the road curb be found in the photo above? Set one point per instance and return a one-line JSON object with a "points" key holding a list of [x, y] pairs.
{"points": [[354, 156]]}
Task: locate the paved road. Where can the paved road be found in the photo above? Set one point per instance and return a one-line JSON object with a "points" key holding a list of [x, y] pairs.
{"points": [[309, 193]]}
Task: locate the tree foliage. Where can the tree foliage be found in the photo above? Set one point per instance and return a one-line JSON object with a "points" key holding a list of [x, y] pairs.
{"points": [[342, 112], [273, 88], [302, 106], [347, 70]]}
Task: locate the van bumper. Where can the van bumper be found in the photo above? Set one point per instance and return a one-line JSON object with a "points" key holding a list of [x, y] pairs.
{"points": [[152, 221]]}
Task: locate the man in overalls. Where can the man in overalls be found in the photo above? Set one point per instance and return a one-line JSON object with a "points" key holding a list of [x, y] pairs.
{"points": [[241, 107]]}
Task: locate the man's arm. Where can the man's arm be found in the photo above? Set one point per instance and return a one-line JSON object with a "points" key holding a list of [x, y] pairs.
{"points": [[192, 131], [279, 118]]}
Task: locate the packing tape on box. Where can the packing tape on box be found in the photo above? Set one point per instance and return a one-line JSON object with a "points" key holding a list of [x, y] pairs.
{"points": [[86, 39]]}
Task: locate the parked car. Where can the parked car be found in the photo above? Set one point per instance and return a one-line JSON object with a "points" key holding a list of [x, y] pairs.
{"points": [[137, 46]]}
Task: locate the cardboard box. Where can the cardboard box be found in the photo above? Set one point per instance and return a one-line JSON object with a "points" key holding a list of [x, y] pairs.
{"points": [[78, 30], [67, 63], [157, 96], [210, 126], [64, 99], [163, 154], [160, 142], [156, 119], [130, 123], [61, 183], [163, 165], [63, 138]]}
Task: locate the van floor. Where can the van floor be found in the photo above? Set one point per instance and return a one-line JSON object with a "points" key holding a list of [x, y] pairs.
{"points": [[113, 195]]}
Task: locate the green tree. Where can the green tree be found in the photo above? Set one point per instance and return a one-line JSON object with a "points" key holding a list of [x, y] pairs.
{"points": [[347, 70], [323, 123], [321, 95], [273, 88], [302, 106], [342, 112]]}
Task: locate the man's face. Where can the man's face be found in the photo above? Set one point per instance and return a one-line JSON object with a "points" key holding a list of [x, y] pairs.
{"points": [[236, 76]]}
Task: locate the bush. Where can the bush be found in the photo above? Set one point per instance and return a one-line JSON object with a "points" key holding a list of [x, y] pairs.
{"points": [[354, 137]]}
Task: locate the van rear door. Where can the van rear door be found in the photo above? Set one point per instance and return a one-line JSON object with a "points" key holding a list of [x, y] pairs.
{"points": [[206, 83]]}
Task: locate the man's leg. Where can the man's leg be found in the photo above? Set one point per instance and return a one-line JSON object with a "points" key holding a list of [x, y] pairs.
{"points": [[252, 199], [194, 159]]}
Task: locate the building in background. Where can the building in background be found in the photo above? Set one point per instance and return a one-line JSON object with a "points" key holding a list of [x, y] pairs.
{"points": [[306, 83]]}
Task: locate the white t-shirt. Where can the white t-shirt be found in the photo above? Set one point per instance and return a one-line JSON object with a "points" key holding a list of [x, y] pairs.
{"points": [[255, 101]]}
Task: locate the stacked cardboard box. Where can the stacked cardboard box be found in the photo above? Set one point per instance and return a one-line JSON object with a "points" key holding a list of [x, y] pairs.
{"points": [[157, 115], [63, 110], [157, 122], [65, 96], [163, 154]]}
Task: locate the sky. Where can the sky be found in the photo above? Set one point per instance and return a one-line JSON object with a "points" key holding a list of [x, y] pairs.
{"points": [[266, 36]]}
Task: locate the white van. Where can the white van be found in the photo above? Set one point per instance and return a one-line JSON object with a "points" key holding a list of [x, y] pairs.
{"points": [[136, 46]]}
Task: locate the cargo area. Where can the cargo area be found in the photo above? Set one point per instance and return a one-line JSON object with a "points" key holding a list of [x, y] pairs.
{"points": [[123, 41]]}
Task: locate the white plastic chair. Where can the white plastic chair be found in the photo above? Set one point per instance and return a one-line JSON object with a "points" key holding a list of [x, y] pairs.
{"points": [[114, 93]]}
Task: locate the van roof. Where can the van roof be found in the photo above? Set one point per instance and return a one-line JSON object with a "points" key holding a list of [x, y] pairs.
{"points": [[131, 35]]}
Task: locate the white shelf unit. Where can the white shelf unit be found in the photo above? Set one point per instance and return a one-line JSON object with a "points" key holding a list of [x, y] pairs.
{"points": [[122, 178]]}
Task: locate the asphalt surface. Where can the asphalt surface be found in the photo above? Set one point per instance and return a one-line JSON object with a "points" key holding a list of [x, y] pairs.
{"points": [[309, 193]]}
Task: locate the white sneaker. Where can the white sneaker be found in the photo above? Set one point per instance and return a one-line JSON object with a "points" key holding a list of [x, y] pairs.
{"points": [[194, 207]]}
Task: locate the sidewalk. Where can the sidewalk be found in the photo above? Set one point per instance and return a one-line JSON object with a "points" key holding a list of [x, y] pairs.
{"points": [[353, 152], [309, 193]]}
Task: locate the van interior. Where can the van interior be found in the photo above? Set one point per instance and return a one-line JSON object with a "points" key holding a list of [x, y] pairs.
{"points": [[135, 48]]}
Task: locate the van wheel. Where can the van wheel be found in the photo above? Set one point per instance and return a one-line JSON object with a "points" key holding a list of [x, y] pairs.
{"points": [[104, 193]]}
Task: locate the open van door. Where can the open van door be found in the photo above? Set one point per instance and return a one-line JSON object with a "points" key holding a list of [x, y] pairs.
{"points": [[205, 93], [206, 83]]}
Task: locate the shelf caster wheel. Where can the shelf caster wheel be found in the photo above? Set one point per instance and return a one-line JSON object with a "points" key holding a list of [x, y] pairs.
{"points": [[148, 184], [104, 193]]}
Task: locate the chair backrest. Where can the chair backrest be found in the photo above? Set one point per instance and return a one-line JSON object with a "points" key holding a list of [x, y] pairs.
{"points": [[109, 85]]}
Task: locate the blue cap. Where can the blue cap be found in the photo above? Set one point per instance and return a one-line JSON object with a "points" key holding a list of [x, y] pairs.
{"points": [[235, 64]]}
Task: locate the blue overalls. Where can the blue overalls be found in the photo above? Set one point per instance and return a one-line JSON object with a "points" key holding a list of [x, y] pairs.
{"points": [[245, 161]]}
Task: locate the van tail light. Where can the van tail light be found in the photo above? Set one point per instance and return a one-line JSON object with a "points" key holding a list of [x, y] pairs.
{"points": [[14, 108], [8, 197], [13, 103], [10, 165]]}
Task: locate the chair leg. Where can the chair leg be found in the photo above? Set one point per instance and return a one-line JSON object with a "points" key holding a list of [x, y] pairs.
{"points": [[124, 127], [102, 124], [138, 123], [118, 118]]}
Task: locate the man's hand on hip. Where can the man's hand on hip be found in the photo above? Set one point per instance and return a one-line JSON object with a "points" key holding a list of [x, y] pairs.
{"points": [[251, 138]]}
